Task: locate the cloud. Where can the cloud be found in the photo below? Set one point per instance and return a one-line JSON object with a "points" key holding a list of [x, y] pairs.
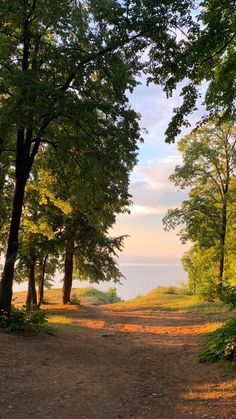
{"points": [[156, 113], [143, 195], [147, 210], [156, 173], [153, 193]]}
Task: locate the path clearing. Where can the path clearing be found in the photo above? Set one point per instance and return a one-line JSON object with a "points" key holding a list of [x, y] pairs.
{"points": [[119, 364]]}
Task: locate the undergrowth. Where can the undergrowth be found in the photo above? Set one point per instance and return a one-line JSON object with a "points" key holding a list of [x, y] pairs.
{"points": [[26, 319], [220, 344]]}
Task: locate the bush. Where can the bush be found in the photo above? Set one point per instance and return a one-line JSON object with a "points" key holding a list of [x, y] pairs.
{"points": [[75, 300], [171, 290], [26, 319], [229, 295], [99, 297], [112, 294], [207, 290], [220, 344]]}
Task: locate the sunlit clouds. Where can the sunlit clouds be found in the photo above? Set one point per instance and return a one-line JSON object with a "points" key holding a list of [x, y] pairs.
{"points": [[153, 193]]}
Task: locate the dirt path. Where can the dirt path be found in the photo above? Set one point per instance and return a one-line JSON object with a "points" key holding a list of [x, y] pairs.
{"points": [[120, 364]]}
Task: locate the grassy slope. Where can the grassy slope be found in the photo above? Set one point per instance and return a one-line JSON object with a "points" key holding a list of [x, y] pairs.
{"points": [[157, 299], [162, 299], [174, 299], [86, 295]]}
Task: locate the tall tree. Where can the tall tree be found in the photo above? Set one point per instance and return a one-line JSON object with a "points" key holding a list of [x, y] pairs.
{"points": [[208, 170], [72, 62], [42, 222], [96, 190]]}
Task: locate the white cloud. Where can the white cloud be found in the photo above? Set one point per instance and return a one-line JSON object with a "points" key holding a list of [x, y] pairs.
{"points": [[153, 193], [147, 210], [156, 174]]}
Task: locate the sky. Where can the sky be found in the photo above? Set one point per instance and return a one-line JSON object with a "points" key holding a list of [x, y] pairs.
{"points": [[153, 193]]}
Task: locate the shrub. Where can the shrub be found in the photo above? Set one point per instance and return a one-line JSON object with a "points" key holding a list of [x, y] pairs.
{"points": [[186, 291], [26, 319], [112, 294], [220, 344], [171, 290], [75, 299], [229, 295]]}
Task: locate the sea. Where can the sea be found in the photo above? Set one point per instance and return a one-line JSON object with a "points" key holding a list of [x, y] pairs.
{"points": [[140, 278]]}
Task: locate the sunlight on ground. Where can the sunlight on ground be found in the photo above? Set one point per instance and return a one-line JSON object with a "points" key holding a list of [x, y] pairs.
{"points": [[208, 391], [60, 320], [188, 330], [210, 327], [133, 322]]}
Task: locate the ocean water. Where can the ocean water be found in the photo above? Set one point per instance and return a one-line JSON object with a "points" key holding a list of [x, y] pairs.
{"points": [[140, 279]]}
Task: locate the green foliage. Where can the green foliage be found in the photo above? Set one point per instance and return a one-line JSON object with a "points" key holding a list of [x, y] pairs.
{"points": [[66, 68], [25, 319], [171, 290], [99, 297], [220, 344], [74, 299], [206, 53], [183, 301], [112, 294], [229, 295], [207, 217]]}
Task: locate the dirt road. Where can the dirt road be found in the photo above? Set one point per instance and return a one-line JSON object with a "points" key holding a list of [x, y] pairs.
{"points": [[119, 364]]}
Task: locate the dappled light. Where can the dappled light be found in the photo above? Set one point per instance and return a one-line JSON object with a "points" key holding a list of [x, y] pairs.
{"points": [[136, 363], [91, 92], [209, 400], [163, 329], [209, 391]]}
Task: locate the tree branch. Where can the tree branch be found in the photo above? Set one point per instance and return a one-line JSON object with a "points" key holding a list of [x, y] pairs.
{"points": [[219, 51]]}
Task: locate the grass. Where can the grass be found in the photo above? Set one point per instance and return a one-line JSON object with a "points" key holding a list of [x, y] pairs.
{"points": [[96, 296], [173, 299], [87, 295], [61, 324], [162, 298]]}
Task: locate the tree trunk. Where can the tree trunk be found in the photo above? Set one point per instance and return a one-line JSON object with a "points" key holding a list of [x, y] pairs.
{"points": [[222, 243], [221, 265], [25, 155], [31, 295], [41, 282], [68, 276], [12, 248]]}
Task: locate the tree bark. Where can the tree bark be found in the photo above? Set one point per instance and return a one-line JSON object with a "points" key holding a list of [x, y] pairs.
{"points": [[222, 243], [12, 248], [68, 274], [23, 164], [41, 282], [31, 295]]}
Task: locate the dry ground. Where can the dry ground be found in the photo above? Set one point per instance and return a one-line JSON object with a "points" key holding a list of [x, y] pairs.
{"points": [[114, 363]]}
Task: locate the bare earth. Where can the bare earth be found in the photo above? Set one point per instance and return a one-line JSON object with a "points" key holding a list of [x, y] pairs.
{"points": [[119, 364]]}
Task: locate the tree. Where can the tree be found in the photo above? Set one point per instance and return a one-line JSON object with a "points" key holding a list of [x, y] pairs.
{"points": [[201, 267], [206, 54], [94, 209], [41, 226], [208, 170], [71, 63]]}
